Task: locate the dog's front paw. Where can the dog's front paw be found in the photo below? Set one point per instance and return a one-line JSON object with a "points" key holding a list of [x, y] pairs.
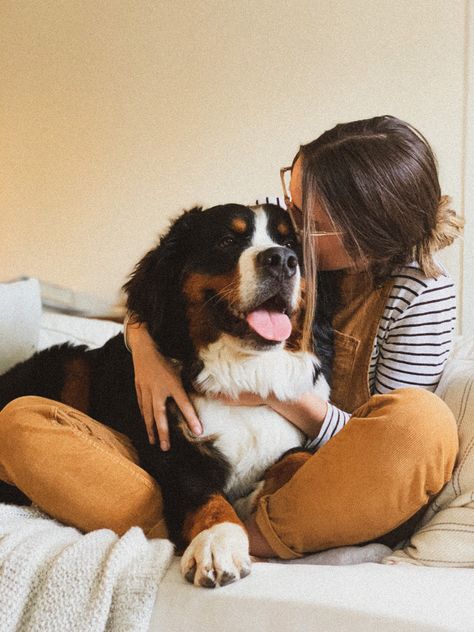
{"points": [[217, 556]]}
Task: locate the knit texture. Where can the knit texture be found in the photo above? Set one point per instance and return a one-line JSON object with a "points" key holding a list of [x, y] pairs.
{"points": [[53, 578]]}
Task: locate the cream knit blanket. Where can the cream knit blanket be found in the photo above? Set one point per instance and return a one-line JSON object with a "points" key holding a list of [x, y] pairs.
{"points": [[55, 579]]}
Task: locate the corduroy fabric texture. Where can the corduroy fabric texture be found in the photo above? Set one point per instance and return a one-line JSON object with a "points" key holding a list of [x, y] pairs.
{"points": [[446, 534], [76, 469], [396, 452]]}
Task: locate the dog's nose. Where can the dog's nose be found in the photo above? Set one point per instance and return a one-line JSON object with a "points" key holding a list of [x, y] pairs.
{"points": [[278, 261]]}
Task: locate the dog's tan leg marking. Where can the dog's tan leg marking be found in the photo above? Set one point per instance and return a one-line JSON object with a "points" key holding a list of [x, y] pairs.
{"points": [[281, 472], [216, 510], [275, 477], [219, 550]]}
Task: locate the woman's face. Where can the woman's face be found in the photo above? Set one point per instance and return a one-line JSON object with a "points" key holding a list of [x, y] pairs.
{"points": [[331, 254]]}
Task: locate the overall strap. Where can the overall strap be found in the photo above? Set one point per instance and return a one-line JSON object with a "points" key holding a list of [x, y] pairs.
{"points": [[355, 327]]}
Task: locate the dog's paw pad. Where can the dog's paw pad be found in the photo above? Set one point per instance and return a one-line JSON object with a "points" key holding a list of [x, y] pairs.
{"points": [[217, 556], [227, 578], [208, 581], [190, 574]]}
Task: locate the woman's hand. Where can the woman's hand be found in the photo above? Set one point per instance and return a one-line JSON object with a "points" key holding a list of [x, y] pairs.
{"points": [[307, 412], [155, 381]]}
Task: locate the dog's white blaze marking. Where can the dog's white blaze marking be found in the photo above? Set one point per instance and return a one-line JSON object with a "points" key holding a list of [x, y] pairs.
{"points": [[261, 240], [261, 236], [220, 552]]}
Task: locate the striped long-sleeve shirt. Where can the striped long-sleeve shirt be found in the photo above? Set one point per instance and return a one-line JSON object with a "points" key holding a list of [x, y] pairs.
{"points": [[413, 340]]}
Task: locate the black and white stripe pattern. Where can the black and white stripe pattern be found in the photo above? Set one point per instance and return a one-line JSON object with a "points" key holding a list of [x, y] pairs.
{"points": [[413, 340], [415, 332], [334, 421]]}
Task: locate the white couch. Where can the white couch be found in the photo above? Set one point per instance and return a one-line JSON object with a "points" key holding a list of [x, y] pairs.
{"points": [[300, 597]]}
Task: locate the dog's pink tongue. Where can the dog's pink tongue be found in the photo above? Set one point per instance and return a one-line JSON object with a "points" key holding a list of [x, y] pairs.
{"points": [[270, 325]]}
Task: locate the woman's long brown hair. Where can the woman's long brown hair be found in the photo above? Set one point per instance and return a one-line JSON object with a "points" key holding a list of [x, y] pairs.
{"points": [[378, 181]]}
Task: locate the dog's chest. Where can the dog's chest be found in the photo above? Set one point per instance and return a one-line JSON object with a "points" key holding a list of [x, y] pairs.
{"points": [[229, 370], [250, 437]]}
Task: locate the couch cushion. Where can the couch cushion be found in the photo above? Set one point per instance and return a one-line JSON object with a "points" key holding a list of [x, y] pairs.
{"points": [[20, 314], [446, 534], [58, 328], [359, 598]]}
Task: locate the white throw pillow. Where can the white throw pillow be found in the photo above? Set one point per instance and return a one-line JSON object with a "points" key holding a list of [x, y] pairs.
{"points": [[20, 314]]}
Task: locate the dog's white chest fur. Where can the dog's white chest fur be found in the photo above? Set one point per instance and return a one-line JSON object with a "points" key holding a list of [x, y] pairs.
{"points": [[230, 369], [252, 437]]}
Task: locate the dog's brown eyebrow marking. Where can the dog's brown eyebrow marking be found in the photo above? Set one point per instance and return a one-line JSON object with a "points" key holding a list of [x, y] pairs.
{"points": [[283, 228], [239, 224]]}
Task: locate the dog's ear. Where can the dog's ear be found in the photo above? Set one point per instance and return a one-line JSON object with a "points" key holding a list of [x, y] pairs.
{"points": [[154, 291]]}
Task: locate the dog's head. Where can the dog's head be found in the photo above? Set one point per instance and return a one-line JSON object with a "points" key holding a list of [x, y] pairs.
{"points": [[230, 269]]}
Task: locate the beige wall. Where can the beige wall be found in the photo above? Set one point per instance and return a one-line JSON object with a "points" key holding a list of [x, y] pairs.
{"points": [[467, 254], [117, 114]]}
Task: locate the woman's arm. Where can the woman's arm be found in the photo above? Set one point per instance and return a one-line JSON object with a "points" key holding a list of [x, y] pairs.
{"points": [[307, 413], [155, 380], [415, 334]]}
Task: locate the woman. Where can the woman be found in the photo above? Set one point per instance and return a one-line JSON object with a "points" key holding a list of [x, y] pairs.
{"points": [[366, 198]]}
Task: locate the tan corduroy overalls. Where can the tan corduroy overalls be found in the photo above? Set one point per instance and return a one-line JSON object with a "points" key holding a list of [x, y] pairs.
{"points": [[395, 453]]}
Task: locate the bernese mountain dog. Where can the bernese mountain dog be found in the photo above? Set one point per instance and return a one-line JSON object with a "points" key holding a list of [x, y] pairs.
{"points": [[222, 295]]}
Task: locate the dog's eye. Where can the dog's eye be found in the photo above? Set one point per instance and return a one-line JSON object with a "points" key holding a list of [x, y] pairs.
{"points": [[226, 241], [290, 244]]}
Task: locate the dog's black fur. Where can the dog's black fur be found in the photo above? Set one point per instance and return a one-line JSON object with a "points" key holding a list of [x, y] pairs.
{"points": [[187, 476]]}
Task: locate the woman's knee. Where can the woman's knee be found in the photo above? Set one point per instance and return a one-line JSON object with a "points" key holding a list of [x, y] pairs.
{"points": [[15, 411], [418, 412], [16, 438], [16, 419], [418, 423]]}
